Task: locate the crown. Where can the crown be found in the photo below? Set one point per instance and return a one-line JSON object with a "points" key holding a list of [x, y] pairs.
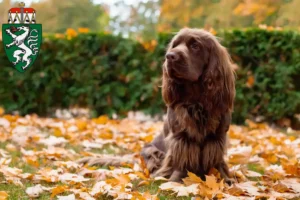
{"points": [[22, 4]]}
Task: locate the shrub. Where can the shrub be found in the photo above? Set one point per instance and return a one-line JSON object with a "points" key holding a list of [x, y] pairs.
{"points": [[111, 74]]}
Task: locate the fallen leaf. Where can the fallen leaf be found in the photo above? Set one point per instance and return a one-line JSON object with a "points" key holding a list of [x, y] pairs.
{"points": [[58, 190], [180, 189], [192, 179], [34, 191], [3, 195], [236, 191], [69, 197], [282, 188]]}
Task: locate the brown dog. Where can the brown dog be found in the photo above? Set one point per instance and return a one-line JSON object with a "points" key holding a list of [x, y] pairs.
{"points": [[198, 89]]}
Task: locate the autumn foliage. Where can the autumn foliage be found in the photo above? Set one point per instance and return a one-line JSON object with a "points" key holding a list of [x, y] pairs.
{"points": [[37, 156]]}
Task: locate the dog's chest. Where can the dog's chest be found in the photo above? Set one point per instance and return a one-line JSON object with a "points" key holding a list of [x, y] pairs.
{"points": [[188, 121]]}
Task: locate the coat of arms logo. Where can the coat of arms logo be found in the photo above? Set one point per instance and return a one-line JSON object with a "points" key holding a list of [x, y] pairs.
{"points": [[22, 37]]}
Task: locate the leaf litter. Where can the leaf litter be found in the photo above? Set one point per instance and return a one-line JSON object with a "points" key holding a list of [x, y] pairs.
{"points": [[264, 161]]}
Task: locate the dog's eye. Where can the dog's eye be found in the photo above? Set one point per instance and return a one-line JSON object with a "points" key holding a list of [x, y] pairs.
{"points": [[195, 46]]}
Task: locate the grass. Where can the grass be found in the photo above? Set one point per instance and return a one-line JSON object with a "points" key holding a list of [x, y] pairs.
{"points": [[18, 193], [256, 167]]}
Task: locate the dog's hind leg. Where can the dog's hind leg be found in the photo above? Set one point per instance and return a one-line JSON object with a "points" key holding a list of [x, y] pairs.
{"points": [[166, 169]]}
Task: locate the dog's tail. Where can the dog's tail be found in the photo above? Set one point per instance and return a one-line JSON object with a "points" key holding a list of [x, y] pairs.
{"points": [[107, 160]]}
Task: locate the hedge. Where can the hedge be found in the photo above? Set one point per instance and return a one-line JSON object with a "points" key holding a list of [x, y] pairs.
{"points": [[111, 74]]}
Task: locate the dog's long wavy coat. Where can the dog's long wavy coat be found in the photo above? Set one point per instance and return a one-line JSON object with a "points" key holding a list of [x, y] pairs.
{"points": [[198, 89]]}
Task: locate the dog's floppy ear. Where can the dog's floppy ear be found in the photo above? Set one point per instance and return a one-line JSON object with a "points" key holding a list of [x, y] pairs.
{"points": [[219, 75]]}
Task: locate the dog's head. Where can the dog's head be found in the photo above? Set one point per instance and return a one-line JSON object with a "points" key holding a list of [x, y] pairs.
{"points": [[195, 56], [187, 54]]}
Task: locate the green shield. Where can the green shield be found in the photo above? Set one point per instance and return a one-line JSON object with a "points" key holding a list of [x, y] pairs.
{"points": [[22, 44]]}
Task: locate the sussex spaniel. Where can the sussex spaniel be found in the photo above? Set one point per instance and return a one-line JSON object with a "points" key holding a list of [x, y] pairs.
{"points": [[198, 90]]}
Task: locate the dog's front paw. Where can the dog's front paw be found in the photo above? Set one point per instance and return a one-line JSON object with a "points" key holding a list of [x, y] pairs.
{"points": [[229, 181]]}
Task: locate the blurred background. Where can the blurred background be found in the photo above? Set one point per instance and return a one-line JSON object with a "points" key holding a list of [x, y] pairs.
{"points": [[144, 18], [106, 55]]}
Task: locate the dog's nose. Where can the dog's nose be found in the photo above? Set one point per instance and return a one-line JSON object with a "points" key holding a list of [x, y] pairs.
{"points": [[172, 56]]}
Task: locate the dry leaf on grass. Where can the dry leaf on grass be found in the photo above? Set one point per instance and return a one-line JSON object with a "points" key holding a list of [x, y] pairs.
{"points": [[49, 148]]}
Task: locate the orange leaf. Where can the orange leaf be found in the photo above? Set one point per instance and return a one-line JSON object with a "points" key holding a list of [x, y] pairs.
{"points": [[106, 135], [59, 190], [148, 138], [250, 81], [2, 111], [3, 195], [81, 125], [123, 179], [192, 179], [101, 120]]}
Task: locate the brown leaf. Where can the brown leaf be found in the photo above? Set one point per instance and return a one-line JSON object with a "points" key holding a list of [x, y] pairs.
{"points": [[236, 191], [279, 187]]}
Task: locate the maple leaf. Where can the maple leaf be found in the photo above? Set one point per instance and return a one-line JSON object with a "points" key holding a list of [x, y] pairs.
{"points": [[180, 189], [192, 179]]}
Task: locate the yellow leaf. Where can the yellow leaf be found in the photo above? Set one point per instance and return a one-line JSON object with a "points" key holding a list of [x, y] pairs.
{"points": [[57, 132], [101, 120], [3, 195], [32, 162], [141, 175], [148, 138], [58, 190], [123, 179], [192, 179], [211, 181], [106, 135], [81, 125], [2, 111]]}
